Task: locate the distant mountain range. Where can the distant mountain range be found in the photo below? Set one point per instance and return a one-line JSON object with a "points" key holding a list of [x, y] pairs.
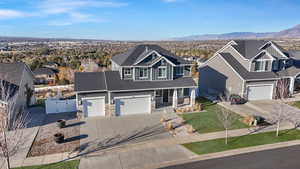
{"points": [[288, 33]]}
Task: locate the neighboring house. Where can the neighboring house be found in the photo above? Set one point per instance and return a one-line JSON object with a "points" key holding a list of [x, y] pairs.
{"points": [[51, 65], [145, 79], [45, 75], [18, 77], [249, 68]]}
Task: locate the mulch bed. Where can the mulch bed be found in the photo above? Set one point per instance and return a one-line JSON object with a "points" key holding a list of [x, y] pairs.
{"points": [[44, 143]]}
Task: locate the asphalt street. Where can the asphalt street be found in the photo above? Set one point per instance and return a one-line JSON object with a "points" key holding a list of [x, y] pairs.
{"points": [[282, 158]]}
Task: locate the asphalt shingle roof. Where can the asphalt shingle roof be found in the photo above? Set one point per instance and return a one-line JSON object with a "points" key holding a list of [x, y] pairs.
{"points": [[12, 72], [249, 48], [244, 73], [136, 53], [89, 81], [111, 81]]}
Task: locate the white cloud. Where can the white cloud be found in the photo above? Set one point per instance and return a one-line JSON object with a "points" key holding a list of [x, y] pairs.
{"points": [[66, 6], [71, 11], [75, 18], [8, 14]]}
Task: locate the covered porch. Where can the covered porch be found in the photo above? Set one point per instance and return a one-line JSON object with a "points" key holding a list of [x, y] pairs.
{"points": [[175, 97]]}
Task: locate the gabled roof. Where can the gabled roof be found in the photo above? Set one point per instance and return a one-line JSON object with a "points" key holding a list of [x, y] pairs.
{"points": [[44, 71], [138, 52], [243, 72], [249, 48], [13, 72]]}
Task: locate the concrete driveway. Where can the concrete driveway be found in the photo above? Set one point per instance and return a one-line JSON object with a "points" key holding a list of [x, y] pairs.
{"points": [[107, 132], [110, 142], [270, 106]]}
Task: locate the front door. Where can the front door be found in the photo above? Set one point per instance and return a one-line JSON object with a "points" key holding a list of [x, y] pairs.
{"points": [[165, 96]]}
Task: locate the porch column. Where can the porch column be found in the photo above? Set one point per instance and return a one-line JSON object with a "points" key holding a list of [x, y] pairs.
{"points": [[175, 100], [292, 83], [193, 96]]}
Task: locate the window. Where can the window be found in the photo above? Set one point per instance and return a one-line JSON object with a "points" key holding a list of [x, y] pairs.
{"points": [[179, 70], [143, 72], [186, 92], [261, 65], [162, 72], [127, 71]]}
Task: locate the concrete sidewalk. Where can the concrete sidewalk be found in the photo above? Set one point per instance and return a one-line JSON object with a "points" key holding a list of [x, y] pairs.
{"points": [[225, 154]]}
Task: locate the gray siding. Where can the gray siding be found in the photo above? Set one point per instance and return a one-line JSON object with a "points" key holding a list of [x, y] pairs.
{"points": [[98, 94], [218, 76], [168, 73], [245, 63], [274, 52]]}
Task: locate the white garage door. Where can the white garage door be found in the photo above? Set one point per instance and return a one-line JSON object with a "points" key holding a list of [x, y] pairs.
{"points": [[94, 106], [133, 105], [260, 92]]}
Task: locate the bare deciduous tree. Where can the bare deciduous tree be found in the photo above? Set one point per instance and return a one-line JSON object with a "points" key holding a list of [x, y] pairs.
{"points": [[280, 112], [225, 117], [12, 122]]}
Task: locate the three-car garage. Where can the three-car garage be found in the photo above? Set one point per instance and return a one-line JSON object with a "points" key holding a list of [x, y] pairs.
{"points": [[123, 105]]}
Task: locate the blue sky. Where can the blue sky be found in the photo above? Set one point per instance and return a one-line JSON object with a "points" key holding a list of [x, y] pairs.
{"points": [[143, 19]]}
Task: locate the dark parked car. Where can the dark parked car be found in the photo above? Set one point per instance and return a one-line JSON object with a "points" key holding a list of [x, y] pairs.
{"points": [[236, 99]]}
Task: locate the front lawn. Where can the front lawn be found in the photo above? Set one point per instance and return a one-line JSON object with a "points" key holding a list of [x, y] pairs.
{"points": [[218, 145], [207, 121], [74, 164]]}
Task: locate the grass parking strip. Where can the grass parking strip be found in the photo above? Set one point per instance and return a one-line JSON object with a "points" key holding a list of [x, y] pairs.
{"points": [[218, 145]]}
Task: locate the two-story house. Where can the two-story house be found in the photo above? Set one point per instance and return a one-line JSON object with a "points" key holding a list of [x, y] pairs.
{"points": [[17, 80], [249, 68], [142, 80]]}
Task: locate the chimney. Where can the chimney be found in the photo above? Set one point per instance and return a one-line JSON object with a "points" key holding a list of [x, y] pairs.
{"points": [[147, 49]]}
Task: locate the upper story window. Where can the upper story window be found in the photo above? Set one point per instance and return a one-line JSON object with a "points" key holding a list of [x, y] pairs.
{"points": [[179, 70], [143, 73], [261, 65], [127, 71], [162, 72]]}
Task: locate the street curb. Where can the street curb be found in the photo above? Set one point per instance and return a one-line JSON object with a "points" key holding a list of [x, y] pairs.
{"points": [[226, 154]]}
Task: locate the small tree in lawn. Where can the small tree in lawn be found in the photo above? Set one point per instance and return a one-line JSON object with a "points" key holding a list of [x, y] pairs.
{"points": [[11, 123], [225, 117], [280, 112]]}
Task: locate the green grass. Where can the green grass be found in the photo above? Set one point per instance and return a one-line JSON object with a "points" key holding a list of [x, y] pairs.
{"points": [[62, 165], [296, 104], [207, 121], [218, 145]]}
